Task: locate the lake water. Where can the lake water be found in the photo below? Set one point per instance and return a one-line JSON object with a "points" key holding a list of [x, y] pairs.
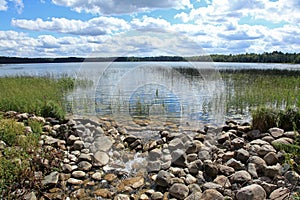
{"points": [[148, 93]]}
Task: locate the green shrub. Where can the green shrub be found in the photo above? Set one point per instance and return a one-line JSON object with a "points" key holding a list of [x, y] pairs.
{"points": [[36, 126], [10, 130], [52, 109]]}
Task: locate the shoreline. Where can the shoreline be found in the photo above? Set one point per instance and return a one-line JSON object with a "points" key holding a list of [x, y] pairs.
{"points": [[98, 159]]}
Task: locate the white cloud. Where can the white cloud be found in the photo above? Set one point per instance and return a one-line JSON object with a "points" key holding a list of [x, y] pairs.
{"points": [[150, 24], [3, 5], [19, 5], [95, 26], [119, 7]]}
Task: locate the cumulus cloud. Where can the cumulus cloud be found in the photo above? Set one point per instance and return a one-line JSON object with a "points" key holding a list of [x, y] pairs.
{"points": [[96, 26], [3, 5], [19, 5], [121, 7]]}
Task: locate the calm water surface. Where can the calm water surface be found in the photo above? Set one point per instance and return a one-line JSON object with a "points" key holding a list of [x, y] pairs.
{"points": [[159, 92]]}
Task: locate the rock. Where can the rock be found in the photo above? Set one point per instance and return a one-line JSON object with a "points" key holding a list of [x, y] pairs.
{"points": [[292, 176], [271, 158], [259, 163], [238, 143], [153, 166], [179, 191], [135, 182], [254, 134], [237, 165], [271, 171], [130, 139], [276, 132], [264, 149], [258, 142], [85, 157], [194, 195], [192, 157], [251, 192], [194, 188], [204, 155], [280, 194], [84, 165], [178, 158], [195, 166], [74, 181], [283, 140], [252, 170], [2, 145], [104, 193], [100, 159], [212, 194], [79, 194], [240, 177], [122, 197], [97, 176], [226, 170], [211, 185], [51, 179], [157, 196], [78, 174], [144, 197], [78, 145], [163, 178], [228, 155], [110, 177], [103, 143], [223, 137], [242, 155], [190, 179], [194, 147], [50, 140], [223, 181], [176, 144], [154, 154], [210, 171]]}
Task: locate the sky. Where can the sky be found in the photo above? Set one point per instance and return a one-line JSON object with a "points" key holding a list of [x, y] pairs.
{"points": [[63, 28]]}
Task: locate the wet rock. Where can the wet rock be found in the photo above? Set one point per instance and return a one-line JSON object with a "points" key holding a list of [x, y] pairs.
{"points": [[179, 191], [153, 166], [204, 155], [194, 147], [78, 174], [178, 158], [280, 194], [155, 154], [135, 182], [100, 159], [110, 177], [51, 179], [130, 139], [74, 181], [251, 192], [84, 165], [176, 144], [223, 137], [103, 143], [97, 176], [104, 193], [212, 194]]}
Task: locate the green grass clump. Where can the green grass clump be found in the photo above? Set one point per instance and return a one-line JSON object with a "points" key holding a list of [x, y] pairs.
{"points": [[16, 156], [264, 118], [40, 95]]}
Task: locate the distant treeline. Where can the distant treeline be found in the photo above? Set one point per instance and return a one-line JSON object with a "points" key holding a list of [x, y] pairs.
{"points": [[274, 57]]}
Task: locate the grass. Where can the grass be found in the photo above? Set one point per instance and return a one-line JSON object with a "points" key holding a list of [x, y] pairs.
{"points": [[250, 89], [21, 156], [40, 95]]}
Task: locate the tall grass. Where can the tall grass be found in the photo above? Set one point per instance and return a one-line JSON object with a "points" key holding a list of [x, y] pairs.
{"points": [[40, 95], [250, 89]]}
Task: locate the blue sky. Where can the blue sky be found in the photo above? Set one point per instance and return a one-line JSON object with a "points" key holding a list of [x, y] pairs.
{"points": [[55, 28]]}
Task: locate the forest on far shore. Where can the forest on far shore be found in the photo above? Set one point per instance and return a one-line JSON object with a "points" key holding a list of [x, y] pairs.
{"points": [[273, 57]]}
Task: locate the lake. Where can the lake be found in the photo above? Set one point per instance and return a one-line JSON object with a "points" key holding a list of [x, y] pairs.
{"points": [[150, 94]]}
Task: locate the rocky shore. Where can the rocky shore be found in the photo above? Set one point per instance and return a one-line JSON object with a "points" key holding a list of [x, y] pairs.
{"points": [[97, 159]]}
